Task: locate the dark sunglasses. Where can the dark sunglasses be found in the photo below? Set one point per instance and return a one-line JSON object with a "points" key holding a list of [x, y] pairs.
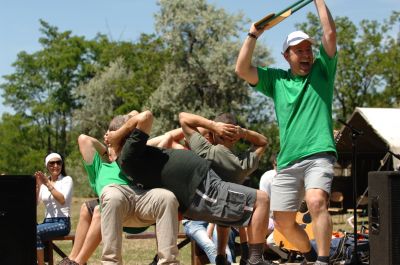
{"points": [[58, 162]]}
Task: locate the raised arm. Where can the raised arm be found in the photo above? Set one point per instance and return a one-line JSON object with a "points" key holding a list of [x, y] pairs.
{"points": [[190, 122], [259, 141], [170, 139], [142, 121], [328, 27], [244, 69], [88, 147]]}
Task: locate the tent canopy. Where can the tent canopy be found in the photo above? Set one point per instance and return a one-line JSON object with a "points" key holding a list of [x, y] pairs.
{"points": [[381, 132]]}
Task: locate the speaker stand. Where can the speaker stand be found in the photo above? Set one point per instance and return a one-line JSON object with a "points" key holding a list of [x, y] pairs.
{"points": [[355, 260]]}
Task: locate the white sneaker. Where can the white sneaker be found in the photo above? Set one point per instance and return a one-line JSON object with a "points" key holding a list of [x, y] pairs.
{"points": [[320, 263], [304, 262]]}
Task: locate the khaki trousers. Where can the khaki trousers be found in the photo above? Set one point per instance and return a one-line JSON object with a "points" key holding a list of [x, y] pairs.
{"points": [[128, 206]]}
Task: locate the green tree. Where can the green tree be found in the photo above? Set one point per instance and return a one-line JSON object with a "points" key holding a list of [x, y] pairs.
{"points": [[99, 100], [20, 146], [390, 68], [145, 61], [365, 74], [42, 87], [200, 77]]}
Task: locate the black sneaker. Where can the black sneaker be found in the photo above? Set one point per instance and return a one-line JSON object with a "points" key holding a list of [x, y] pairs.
{"points": [[242, 261], [221, 260], [64, 261], [155, 260]]}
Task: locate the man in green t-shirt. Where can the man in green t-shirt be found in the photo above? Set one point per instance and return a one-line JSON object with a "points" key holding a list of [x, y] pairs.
{"points": [[303, 105], [123, 204]]}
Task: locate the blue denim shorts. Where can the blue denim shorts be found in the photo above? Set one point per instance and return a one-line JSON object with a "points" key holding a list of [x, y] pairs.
{"points": [[50, 228]]}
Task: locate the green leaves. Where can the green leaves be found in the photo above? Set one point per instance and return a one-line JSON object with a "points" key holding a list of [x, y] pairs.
{"points": [[200, 78], [368, 72]]}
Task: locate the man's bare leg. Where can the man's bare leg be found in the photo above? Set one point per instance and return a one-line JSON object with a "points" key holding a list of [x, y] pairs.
{"points": [[222, 242], [257, 229], [285, 222], [317, 202], [92, 240], [244, 246], [81, 230]]}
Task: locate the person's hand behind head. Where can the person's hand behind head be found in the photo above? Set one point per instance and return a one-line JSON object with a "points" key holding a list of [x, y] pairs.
{"points": [[225, 131], [133, 113], [113, 141], [239, 133], [111, 154]]}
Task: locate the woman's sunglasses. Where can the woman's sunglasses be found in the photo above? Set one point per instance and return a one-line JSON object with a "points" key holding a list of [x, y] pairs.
{"points": [[58, 162]]}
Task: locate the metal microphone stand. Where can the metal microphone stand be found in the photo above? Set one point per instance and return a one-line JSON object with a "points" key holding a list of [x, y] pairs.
{"points": [[355, 260]]}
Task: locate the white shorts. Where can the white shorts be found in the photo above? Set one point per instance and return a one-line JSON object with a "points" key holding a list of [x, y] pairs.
{"points": [[289, 185]]}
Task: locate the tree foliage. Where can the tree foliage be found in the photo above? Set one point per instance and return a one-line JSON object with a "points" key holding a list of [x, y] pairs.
{"points": [[200, 78], [20, 152], [366, 75], [145, 62], [99, 100], [42, 87]]}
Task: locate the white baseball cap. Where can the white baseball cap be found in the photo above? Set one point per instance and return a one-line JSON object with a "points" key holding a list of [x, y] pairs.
{"points": [[295, 38]]}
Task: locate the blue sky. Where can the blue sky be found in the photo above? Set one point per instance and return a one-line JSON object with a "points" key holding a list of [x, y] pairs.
{"points": [[126, 19]]}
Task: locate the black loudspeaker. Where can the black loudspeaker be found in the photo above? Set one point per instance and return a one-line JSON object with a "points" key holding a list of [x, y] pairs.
{"points": [[384, 217], [17, 220]]}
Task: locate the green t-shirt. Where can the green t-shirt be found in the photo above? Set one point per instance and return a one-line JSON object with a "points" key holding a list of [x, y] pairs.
{"points": [[101, 174], [303, 107]]}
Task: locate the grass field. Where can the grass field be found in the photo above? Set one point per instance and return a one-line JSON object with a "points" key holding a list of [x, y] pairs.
{"points": [[141, 252]]}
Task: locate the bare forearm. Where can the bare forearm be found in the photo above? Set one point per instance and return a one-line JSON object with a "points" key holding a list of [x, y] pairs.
{"points": [[194, 121], [128, 127], [88, 145], [58, 196], [142, 121], [255, 138], [244, 68], [191, 122], [100, 148], [259, 141], [175, 135], [328, 27]]}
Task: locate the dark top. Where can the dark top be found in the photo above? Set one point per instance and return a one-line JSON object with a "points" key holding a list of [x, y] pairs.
{"points": [[180, 171]]}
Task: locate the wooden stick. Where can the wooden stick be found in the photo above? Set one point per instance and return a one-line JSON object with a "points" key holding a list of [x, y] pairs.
{"points": [[272, 19]]}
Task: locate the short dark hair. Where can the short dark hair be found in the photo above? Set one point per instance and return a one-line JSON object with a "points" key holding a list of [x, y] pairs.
{"points": [[117, 122], [228, 118]]}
